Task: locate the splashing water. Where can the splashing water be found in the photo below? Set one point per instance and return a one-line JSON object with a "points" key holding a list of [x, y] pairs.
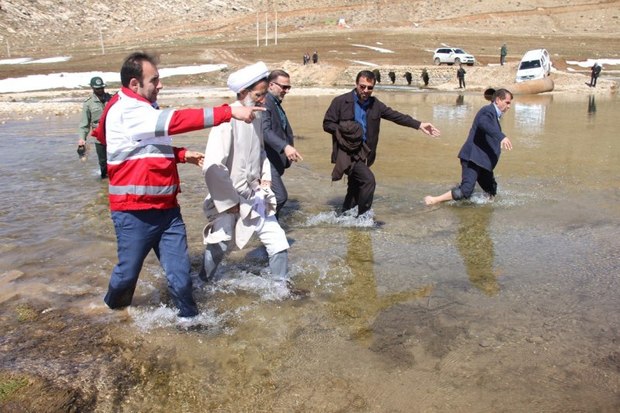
{"points": [[348, 219]]}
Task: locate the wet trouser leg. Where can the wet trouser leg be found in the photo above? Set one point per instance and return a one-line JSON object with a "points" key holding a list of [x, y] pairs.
{"points": [[361, 188], [174, 258], [278, 188], [278, 265], [138, 232], [486, 180], [469, 176], [213, 256], [273, 237], [103, 159]]}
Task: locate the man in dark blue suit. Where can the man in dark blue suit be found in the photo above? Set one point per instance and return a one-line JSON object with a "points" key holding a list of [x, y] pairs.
{"points": [[481, 151], [278, 134]]}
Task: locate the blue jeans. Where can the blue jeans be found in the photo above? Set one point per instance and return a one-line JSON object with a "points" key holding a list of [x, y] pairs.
{"points": [[137, 232]]}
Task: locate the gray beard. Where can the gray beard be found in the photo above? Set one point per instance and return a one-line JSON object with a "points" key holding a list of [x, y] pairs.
{"points": [[248, 103]]}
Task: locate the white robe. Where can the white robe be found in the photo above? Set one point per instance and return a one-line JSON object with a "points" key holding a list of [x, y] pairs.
{"points": [[235, 163]]}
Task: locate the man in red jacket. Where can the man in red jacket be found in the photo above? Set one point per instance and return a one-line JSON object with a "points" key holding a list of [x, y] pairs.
{"points": [[144, 181]]}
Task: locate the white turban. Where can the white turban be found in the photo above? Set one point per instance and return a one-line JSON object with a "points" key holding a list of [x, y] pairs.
{"points": [[247, 76]]}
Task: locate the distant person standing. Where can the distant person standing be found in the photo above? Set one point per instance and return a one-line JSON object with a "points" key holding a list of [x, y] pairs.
{"points": [[306, 58], [480, 152], [502, 54], [377, 73], [408, 78], [315, 57], [425, 77], [392, 77], [596, 71], [92, 108], [278, 134], [460, 74]]}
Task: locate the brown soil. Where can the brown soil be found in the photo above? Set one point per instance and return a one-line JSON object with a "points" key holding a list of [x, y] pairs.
{"points": [[198, 32]]}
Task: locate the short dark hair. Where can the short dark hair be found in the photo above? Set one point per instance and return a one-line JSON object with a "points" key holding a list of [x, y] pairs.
{"points": [[367, 74], [501, 93], [132, 66], [276, 74]]}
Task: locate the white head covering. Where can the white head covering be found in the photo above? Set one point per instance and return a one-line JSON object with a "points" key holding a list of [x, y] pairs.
{"points": [[243, 78]]}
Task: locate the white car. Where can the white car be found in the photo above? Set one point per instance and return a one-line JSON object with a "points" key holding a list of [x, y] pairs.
{"points": [[535, 64], [453, 55]]}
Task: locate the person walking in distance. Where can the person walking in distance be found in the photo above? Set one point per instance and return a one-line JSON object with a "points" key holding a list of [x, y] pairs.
{"points": [[425, 76], [595, 73], [278, 134], [460, 74], [92, 108]]}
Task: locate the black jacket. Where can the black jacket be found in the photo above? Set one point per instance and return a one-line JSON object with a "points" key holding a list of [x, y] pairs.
{"points": [[342, 109], [275, 136], [350, 149]]}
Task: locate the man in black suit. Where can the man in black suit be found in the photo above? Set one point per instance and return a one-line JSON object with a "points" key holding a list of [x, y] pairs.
{"points": [[278, 134], [480, 152]]}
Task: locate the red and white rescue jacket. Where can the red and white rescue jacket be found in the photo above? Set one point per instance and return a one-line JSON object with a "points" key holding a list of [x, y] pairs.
{"points": [[141, 159]]}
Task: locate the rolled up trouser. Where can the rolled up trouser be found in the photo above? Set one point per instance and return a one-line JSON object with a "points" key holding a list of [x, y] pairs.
{"points": [[214, 254], [470, 174], [278, 264]]}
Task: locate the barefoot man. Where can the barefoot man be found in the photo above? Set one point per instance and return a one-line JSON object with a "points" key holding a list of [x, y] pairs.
{"points": [[481, 151]]}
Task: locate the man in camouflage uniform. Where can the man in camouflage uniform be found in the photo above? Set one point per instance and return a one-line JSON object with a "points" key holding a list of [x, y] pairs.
{"points": [[91, 112]]}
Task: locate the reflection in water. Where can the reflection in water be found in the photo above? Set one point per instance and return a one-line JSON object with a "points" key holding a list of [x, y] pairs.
{"points": [[359, 303], [476, 248], [450, 113], [591, 105], [529, 118], [460, 99]]}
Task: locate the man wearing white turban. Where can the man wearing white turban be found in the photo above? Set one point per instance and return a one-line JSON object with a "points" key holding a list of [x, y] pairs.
{"points": [[237, 172]]}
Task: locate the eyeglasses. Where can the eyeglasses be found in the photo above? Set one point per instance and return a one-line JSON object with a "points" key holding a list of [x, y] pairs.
{"points": [[367, 87], [283, 87]]}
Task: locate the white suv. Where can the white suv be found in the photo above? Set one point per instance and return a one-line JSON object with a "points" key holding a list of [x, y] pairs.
{"points": [[453, 55], [535, 64]]}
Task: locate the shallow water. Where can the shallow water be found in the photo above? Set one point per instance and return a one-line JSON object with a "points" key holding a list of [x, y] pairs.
{"points": [[473, 306]]}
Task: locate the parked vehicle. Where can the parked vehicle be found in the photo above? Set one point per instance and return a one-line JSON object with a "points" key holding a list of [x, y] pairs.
{"points": [[535, 64], [453, 55]]}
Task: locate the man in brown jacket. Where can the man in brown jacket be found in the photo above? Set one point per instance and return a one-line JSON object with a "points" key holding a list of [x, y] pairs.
{"points": [[359, 105]]}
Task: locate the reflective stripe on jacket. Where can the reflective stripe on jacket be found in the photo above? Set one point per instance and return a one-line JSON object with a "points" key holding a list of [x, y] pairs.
{"points": [[141, 159]]}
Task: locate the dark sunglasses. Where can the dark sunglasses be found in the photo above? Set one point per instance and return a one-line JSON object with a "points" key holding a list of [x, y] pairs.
{"points": [[367, 87], [284, 87]]}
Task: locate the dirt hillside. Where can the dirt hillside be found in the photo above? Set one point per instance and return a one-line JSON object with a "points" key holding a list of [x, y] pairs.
{"points": [[98, 34]]}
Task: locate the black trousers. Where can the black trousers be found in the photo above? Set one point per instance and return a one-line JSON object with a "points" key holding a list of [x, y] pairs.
{"points": [[103, 159], [279, 190], [470, 174], [360, 188]]}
